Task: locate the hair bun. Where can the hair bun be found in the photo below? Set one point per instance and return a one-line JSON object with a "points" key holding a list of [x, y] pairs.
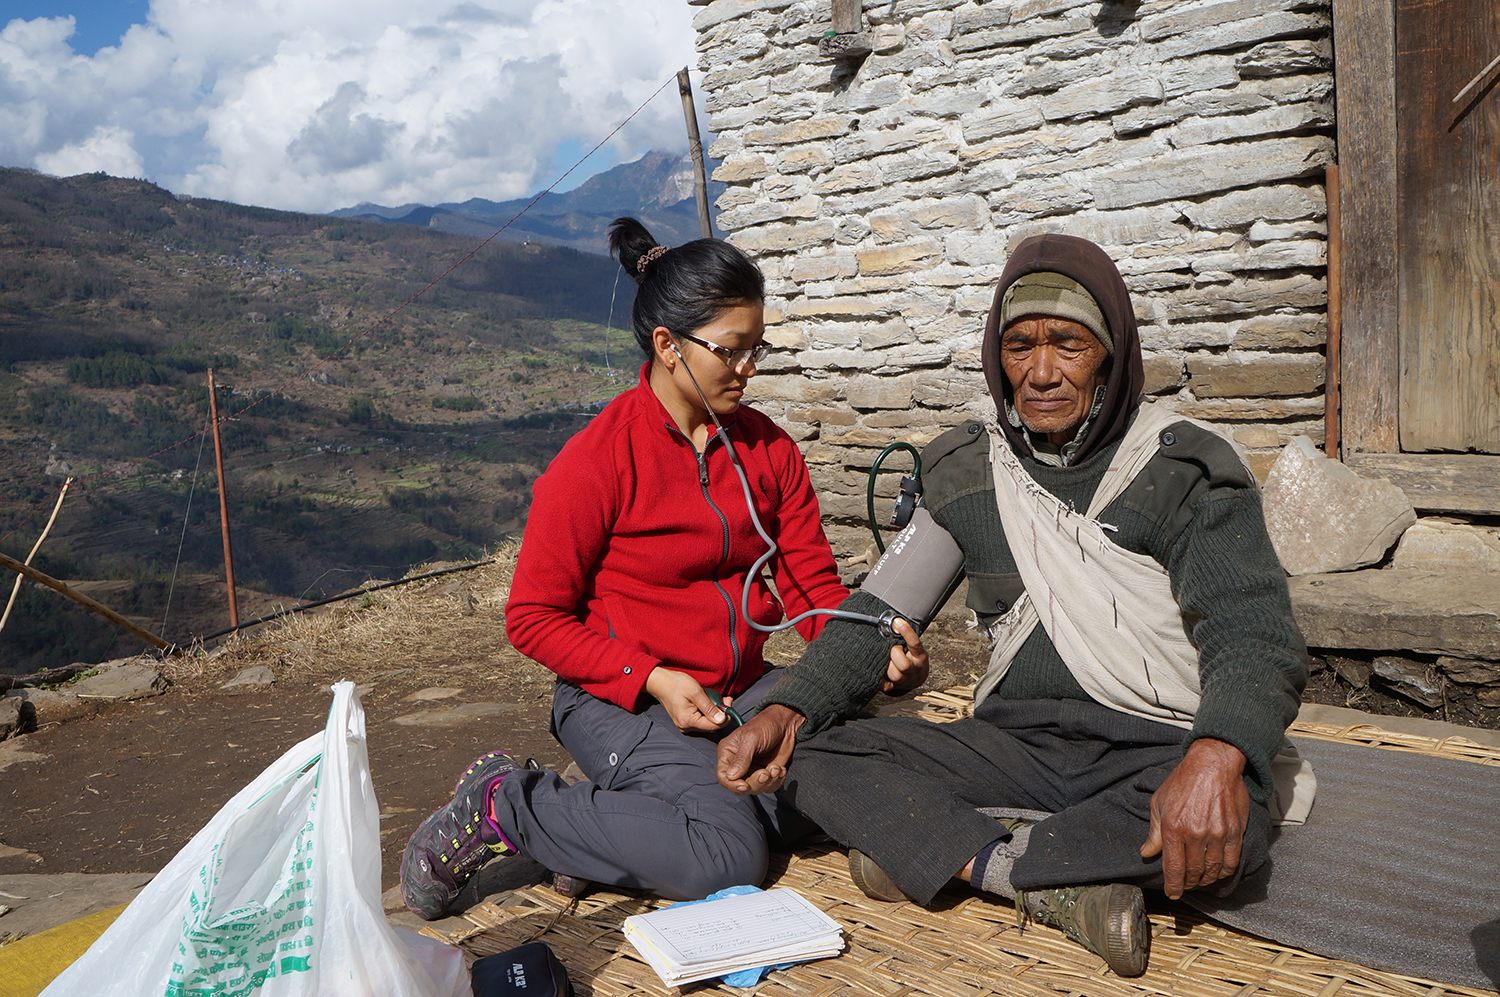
{"points": [[649, 257]]}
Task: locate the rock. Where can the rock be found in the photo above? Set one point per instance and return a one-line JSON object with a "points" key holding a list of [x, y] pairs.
{"points": [[1239, 376], [1283, 202], [1412, 679], [13, 752], [7, 852], [255, 677], [50, 706], [454, 716], [11, 721], [1323, 517], [128, 681], [431, 694], [1355, 673], [1399, 610], [1434, 544], [898, 259], [1470, 671], [1205, 169]]}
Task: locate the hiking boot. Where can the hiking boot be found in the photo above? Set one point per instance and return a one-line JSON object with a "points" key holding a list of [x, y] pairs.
{"points": [[451, 845], [1109, 920], [872, 880]]}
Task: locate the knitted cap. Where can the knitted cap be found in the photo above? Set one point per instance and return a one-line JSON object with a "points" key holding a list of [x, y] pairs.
{"points": [[1047, 293]]}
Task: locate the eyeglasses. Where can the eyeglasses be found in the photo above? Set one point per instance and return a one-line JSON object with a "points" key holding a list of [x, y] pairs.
{"points": [[733, 359]]}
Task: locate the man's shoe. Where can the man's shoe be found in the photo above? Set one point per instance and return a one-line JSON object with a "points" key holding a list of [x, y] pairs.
{"points": [[872, 880], [451, 845], [1109, 920]]}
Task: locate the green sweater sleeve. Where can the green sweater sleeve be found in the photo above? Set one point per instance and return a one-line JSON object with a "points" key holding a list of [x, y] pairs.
{"points": [[839, 672], [1252, 662]]}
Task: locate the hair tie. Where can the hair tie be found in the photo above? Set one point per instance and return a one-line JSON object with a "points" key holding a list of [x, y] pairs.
{"points": [[649, 257]]}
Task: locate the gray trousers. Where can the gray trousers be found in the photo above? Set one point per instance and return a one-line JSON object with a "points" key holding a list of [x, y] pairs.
{"points": [[652, 815], [905, 792]]}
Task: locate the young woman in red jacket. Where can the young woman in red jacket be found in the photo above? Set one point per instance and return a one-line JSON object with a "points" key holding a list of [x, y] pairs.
{"points": [[630, 585]]}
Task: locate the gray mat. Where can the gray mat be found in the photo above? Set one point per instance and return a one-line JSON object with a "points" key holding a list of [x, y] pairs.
{"points": [[1398, 867]]}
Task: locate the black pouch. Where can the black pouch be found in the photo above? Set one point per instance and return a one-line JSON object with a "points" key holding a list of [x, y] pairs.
{"points": [[529, 971]]}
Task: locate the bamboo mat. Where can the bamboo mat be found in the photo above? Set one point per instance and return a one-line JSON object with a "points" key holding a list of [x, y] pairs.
{"points": [[964, 945]]}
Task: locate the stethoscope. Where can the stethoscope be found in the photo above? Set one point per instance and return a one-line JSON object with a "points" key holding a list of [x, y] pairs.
{"points": [[884, 623]]}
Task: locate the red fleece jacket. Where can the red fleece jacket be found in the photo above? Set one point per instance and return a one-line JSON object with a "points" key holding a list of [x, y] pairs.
{"points": [[636, 548]]}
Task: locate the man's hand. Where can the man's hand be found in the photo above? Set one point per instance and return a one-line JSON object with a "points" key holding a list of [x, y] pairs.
{"points": [[1198, 817], [908, 667], [754, 759], [685, 701]]}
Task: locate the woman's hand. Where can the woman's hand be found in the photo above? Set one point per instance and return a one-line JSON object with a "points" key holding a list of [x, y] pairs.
{"points": [[909, 665], [684, 700]]}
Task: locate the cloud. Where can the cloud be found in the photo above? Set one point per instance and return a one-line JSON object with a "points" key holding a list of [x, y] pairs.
{"points": [[108, 149], [318, 106]]}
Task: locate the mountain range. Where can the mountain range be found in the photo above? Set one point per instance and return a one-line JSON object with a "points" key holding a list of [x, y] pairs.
{"points": [[657, 189]]}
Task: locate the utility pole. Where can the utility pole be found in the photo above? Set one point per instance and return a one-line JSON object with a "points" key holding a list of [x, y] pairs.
{"points": [[213, 421], [695, 149]]}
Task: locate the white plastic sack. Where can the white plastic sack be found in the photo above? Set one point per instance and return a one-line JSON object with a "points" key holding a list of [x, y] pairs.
{"points": [[279, 894]]}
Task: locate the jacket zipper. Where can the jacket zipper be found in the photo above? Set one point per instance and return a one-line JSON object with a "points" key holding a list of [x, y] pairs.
{"points": [[734, 640]]}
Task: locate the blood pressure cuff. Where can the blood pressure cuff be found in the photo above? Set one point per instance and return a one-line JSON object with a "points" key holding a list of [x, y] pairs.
{"points": [[529, 971], [919, 570]]}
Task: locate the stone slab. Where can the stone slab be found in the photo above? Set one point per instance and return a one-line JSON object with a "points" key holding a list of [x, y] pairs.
{"points": [[454, 716], [10, 717], [13, 752], [122, 682], [254, 677], [39, 901], [1393, 609]]}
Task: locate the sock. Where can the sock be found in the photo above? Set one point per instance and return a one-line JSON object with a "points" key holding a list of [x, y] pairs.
{"points": [[506, 847], [994, 862]]}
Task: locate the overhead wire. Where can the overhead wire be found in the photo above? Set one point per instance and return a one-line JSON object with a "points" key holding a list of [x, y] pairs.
{"points": [[192, 487]]}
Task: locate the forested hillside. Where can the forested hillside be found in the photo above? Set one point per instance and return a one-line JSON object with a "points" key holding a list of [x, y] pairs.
{"points": [[364, 436]]}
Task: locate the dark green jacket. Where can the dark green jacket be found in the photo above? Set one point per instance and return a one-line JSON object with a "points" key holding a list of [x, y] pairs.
{"points": [[1195, 509]]}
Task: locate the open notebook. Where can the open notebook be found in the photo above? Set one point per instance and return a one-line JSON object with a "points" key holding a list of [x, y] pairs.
{"points": [[691, 942]]}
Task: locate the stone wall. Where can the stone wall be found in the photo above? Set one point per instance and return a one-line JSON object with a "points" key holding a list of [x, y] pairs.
{"points": [[1188, 138]]}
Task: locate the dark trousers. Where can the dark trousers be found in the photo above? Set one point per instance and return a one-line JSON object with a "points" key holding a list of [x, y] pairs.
{"points": [[905, 792], [652, 815]]}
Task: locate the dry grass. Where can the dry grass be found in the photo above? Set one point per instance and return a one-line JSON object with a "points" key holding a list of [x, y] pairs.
{"points": [[446, 630]]}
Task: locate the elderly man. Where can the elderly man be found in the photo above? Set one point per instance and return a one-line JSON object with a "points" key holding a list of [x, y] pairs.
{"points": [[1143, 663]]}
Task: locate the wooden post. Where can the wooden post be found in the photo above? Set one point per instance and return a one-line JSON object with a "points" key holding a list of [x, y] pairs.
{"points": [[213, 421], [1335, 317], [848, 16], [846, 40], [695, 149], [1369, 351], [62, 588]]}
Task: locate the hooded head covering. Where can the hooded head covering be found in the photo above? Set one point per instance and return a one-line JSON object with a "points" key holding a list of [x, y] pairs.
{"points": [[1091, 267]]}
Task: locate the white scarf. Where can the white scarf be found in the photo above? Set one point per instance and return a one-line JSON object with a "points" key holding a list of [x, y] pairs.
{"points": [[1109, 611]]}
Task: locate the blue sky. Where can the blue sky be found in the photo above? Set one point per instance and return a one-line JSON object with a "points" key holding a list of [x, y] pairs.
{"points": [[99, 22], [322, 104]]}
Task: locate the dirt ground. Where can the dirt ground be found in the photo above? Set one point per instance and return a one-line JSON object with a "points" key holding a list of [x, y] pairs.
{"points": [[124, 790]]}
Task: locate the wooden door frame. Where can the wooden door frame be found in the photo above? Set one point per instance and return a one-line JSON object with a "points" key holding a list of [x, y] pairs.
{"points": [[1369, 360], [1364, 79]]}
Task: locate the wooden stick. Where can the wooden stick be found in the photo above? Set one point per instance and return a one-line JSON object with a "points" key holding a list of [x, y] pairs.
{"points": [[1331, 427], [213, 421], [6, 561], [47, 676], [16, 589], [695, 149], [1486, 71]]}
